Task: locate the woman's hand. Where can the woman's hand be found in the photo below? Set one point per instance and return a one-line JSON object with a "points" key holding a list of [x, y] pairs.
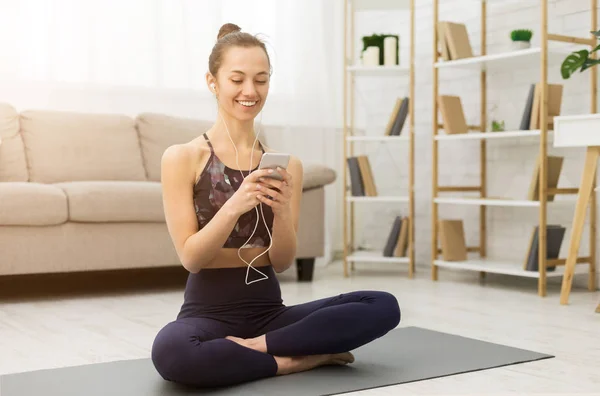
{"points": [[246, 197], [276, 193]]}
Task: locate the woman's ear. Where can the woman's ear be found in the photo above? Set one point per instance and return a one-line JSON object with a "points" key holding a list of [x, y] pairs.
{"points": [[210, 80]]}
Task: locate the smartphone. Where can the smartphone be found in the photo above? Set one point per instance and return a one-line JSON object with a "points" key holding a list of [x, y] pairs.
{"points": [[272, 161]]}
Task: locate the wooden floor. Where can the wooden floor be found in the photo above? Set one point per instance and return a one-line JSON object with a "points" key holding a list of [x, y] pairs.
{"points": [[43, 329]]}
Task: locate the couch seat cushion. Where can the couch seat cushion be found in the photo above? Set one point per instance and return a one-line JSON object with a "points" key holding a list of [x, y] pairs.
{"points": [[32, 204], [114, 201]]}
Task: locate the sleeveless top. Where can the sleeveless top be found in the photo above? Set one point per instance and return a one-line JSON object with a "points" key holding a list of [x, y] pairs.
{"points": [[216, 184]]}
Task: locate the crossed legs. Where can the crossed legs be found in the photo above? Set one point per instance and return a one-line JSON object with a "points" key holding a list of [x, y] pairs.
{"points": [[200, 352]]}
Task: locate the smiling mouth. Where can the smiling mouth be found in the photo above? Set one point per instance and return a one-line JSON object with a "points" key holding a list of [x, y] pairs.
{"points": [[247, 103]]}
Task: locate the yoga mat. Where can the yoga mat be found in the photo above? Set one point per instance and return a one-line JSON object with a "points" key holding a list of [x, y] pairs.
{"points": [[403, 355]]}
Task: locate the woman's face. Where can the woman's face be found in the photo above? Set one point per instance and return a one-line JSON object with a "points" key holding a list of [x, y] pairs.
{"points": [[243, 82]]}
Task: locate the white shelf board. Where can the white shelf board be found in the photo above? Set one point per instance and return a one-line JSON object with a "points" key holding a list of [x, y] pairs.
{"points": [[490, 135], [503, 59], [367, 256], [374, 71], [401, 138], [506, 267], [487, 201], [380, 5], [377, 199]]}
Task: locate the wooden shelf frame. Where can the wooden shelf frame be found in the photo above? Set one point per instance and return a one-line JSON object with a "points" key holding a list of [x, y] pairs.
{"points": [[351, 254], [482, 63]]}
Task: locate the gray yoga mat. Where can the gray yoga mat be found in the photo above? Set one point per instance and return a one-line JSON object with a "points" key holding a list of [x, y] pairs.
{"points": [[403, 355]]}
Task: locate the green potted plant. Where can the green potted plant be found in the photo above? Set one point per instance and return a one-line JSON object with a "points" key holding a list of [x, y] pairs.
{"points": [[498, 126], [521, 38], [579, 60], [376, 40]]}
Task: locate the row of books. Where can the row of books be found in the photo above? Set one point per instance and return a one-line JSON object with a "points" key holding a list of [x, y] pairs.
{"points": [[397, 241], [453, 115], [362, 182], [454, 248]]}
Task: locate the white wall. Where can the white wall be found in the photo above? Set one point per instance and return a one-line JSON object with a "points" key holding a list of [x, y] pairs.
{"points": [[510, 162]]}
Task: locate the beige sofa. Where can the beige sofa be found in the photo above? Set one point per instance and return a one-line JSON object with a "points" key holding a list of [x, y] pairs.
{"points": [[81, 192]]}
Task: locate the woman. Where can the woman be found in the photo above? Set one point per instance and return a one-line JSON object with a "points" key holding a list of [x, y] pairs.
{"points": [[230, 329]]}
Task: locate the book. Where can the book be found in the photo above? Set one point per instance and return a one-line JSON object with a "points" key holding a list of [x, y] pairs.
{"points": [[356, 183], [554, 94], [554, 237], [388, 250], [442, 43], [526, 119], [367, 176], [553, 175], [401, 119], [457, 40], [452, 237], [393, 116], [452, 114], [402, 243]]}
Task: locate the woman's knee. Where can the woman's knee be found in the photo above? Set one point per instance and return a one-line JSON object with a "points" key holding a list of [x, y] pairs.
{"points": [[389, 309], [165, 352], [176, 356]]}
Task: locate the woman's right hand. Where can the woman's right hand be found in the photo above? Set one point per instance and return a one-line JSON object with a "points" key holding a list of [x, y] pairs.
{"points": [[245, 198]]}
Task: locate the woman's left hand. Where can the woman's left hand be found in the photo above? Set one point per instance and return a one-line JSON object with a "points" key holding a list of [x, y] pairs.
{"points": [[276, 193]]}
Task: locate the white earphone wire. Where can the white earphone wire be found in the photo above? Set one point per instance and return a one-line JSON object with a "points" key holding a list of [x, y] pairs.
{"points": [[255, 208]]}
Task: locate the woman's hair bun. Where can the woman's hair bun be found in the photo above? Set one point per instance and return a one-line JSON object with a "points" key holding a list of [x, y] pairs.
{"points": [[228, 28]]}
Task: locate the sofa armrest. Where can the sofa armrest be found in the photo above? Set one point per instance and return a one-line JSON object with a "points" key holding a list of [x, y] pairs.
{"points": [[316, 175]]}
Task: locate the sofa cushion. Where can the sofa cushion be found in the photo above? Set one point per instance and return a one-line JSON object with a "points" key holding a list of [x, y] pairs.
{"points": [[13, 167], [32, 204], [159, 131], [316, 175], [113, 201], [67, 146]]}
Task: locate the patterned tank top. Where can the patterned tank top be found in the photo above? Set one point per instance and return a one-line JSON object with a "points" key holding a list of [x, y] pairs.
{"points": [[216, 184]]}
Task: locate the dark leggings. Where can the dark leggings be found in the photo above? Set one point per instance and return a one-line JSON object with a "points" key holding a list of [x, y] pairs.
{"points": [[193, 350]]}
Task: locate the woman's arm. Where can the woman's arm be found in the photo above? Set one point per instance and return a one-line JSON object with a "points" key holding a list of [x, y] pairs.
{"points": [[285, 221], [194, 248]]}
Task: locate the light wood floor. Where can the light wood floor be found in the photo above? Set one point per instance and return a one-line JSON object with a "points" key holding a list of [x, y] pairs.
{"points": [[38, 333]]}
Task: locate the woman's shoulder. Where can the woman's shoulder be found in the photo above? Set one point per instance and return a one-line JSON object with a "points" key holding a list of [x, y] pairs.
{"points": [[185, 157]]}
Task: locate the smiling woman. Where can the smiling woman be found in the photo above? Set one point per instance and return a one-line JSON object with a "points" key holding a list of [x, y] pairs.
{"points": [[231, 329]]}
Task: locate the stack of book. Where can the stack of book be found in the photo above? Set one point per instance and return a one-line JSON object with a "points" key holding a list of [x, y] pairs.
{"points": [[531, 114], [554, 237], [453, 41], [397, 242], [397, 117], [362, 182]]}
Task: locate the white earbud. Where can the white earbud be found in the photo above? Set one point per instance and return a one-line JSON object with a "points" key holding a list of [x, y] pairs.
{"points": [[213, 87]]}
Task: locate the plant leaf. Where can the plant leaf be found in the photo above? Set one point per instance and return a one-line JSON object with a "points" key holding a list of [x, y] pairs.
{"points": [[573, 62], [596, 33], [589, 63]]}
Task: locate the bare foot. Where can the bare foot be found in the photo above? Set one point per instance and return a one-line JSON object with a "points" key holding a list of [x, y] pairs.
{"points": [[296, 364], [258, 344]]}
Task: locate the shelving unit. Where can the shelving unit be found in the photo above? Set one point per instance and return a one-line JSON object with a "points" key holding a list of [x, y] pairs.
{"points": [[351, 254], [483, 63]]}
